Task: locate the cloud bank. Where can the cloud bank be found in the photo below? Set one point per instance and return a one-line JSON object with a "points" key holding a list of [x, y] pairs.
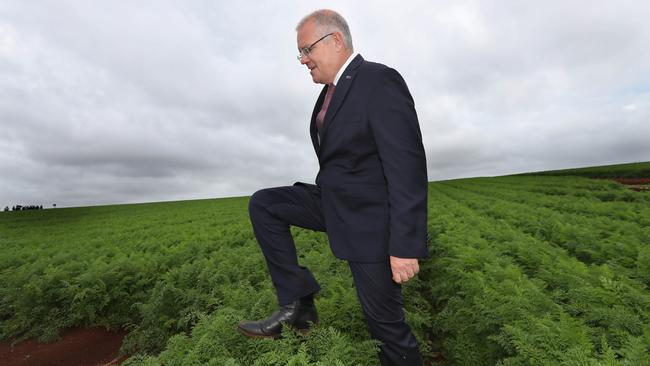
{"points": [[117, 102]]}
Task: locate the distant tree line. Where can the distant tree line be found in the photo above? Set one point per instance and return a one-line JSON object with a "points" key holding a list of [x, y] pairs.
{"points": [[24, 208]]}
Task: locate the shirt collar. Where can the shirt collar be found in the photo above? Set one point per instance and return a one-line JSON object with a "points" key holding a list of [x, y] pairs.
{"points": [[345, 66]]}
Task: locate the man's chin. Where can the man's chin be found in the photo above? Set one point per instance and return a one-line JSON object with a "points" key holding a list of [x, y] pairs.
{"points": [[315, 77]]}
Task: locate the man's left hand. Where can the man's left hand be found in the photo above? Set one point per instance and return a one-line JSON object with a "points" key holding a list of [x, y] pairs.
{"points": [[403, 268]]}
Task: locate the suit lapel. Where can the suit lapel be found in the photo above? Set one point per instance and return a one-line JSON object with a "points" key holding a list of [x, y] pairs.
{"points": [[342, 88]]}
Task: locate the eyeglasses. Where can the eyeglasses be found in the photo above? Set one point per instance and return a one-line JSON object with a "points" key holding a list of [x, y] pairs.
{"points": [[307, 50]]}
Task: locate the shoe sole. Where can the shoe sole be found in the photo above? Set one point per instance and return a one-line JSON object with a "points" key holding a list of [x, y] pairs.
{"points": [[303, 332], [258, 336]]}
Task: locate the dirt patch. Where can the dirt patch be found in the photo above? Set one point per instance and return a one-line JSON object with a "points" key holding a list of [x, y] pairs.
{"points": [[635, 184], [633, 181], [77, 347]]}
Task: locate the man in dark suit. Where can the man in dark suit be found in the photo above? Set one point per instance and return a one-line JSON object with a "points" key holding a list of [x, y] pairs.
{"points": [[370, 194]]}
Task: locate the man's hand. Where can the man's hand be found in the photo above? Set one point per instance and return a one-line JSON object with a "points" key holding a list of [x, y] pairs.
{"points": [[403, 268]]}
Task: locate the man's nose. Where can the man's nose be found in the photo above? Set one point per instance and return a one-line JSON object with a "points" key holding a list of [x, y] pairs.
{"points": [[304, 59]]}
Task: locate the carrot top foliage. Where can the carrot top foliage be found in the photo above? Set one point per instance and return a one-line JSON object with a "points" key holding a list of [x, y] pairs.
{"points": [[524, 270]]}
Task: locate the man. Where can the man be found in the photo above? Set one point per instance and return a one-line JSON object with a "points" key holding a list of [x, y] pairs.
{"points": [[370, 194]]}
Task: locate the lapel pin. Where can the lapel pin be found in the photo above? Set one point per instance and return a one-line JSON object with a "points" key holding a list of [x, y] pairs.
{"points": [[348, 77]]}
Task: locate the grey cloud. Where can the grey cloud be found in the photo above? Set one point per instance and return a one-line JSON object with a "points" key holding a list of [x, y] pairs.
{"points": [[110, 102]]}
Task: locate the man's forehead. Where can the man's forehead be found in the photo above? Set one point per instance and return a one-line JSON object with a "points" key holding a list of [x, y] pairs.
{"points": [[305, 34]]}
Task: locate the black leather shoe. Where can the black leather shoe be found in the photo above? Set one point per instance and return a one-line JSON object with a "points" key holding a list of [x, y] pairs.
{"points": [[299, 314]]}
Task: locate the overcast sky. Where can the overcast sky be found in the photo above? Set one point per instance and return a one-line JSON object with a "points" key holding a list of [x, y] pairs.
{"points": [[135, 101]]}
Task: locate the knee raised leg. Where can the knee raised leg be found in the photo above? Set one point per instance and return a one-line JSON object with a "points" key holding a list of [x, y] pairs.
{"points": [[259, 200]]}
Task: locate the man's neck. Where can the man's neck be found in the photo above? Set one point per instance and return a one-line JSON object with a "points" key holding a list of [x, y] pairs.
{"points": [[343, 66]]}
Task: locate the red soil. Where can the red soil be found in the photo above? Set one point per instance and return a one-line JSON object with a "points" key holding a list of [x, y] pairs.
{"points": [[633, 181], [77, 347]]}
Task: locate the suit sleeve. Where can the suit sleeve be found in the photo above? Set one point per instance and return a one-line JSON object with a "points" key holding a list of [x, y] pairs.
{"points": [[396, 132]]}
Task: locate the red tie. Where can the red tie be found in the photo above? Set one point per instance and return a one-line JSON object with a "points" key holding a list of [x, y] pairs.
{"points": [[320, 117]]}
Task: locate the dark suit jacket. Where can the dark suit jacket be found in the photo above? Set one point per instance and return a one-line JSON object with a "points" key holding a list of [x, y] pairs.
{"points": [[373, 177]]}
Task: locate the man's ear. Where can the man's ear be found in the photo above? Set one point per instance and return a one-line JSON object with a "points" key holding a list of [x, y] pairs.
{"points": [[338, 41]]}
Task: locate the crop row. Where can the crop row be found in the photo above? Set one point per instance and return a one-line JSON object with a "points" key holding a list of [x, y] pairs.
{"points": [[593, 239], [504, 296]]}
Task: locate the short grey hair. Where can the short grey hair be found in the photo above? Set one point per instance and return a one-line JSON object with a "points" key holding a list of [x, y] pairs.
{"points": [[329, 21]]}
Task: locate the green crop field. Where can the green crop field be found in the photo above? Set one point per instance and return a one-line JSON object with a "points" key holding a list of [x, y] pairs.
{"points": [[524, 270]]}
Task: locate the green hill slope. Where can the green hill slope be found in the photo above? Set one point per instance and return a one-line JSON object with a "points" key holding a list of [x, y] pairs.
{"points": [[631, 170]]}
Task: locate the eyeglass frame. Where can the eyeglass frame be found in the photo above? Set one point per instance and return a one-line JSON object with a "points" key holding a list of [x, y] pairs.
{"points": [[307, 50]]}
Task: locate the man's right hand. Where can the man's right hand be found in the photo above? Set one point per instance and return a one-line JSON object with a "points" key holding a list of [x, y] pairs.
{"points": [[404, 268]]}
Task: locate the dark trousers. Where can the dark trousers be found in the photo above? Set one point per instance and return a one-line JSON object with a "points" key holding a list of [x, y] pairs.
{"points": [[272, 211]]}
